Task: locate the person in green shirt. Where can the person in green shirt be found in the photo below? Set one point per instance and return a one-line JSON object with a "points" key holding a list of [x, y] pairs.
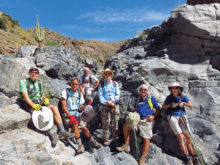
{"points": [[32, 95]]}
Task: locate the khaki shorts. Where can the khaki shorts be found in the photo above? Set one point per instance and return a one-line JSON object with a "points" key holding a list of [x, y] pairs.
{"points": [[177, 126], [145, 129]]}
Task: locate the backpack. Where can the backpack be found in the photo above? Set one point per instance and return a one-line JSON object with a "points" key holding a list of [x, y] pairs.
{"points": [[28, 80], [67, 96], [149, 102], [87, 114]]}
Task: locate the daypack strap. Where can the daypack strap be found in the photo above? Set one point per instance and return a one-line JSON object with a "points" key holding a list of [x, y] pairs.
{"points": [[28, 80], [102, 83], [149, 102], [68, 94]]}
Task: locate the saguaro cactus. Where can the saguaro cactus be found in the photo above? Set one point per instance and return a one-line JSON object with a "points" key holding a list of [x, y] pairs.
{"points": [[39, 33]]}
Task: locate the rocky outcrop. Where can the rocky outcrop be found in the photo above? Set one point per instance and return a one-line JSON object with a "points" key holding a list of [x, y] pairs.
{"points": [[183, 48], [195, 2]]}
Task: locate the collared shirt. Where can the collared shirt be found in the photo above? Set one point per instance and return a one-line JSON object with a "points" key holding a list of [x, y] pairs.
{"points": [[176, 110], [33, 85], [143, 108], [110, 91], [73, 102]]}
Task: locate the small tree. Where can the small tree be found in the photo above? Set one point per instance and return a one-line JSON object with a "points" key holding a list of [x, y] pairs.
{"points": [[39, 33]]}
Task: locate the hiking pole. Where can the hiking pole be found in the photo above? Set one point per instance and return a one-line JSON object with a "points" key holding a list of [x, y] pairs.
{"points": [[198, 152], [136, 145]]}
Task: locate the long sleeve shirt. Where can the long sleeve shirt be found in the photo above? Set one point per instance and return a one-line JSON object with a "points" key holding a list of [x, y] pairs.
{"points": [[110, 91]]}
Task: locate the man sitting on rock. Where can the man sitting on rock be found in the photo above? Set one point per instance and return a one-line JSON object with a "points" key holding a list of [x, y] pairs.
{"points": [[147, 107], [32, 93], [88, 84], [72, 103], [109, 94]]}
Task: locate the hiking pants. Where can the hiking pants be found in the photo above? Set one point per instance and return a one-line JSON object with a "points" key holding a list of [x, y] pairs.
{"points": [[110, 116]]}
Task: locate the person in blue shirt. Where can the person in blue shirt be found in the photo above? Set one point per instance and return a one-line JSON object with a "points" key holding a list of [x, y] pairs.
{"points": [[108, 92], [147, 107], [175, 104]]}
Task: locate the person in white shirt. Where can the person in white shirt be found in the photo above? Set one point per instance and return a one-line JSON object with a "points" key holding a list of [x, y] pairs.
{"points": [[88, 84]]}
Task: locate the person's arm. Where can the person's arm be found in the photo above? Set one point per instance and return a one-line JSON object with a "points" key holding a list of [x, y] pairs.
{"points": [[189, 104], [100, 94], [81, 103], [96, 84], [27, 99], [82, 90], [165, 106], [156, 106], [117, 93], [63, 106]]}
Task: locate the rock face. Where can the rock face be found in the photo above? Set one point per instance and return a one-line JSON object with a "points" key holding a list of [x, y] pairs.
{"points": [[195, 2], [184, 48]]}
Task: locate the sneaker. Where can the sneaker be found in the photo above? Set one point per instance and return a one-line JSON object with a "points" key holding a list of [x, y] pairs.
{"points": [[54, 140], [124, 147], [196, 160], [63, 135], [141, 161], [106, 142], [95, 144], [189, 160], [81, 149]]}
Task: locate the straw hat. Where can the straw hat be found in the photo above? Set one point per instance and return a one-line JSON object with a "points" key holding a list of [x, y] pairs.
{"points": [[175, 84], [107, 70]]}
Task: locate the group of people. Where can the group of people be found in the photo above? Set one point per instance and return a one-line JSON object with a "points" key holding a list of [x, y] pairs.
{"points": [[81, 93]]}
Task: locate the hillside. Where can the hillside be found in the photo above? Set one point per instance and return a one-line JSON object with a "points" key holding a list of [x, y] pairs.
{"points": [[12, 37]]}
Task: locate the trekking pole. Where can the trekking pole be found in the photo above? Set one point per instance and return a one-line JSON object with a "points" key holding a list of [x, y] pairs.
{"points": [[136, 145], [198, 152]]}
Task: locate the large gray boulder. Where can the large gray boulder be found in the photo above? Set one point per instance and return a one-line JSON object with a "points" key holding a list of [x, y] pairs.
{"points": [[184, 48]]}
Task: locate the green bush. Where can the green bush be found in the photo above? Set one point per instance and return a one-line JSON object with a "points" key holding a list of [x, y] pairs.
{"points": [[12, 31], [52, 43], [2, 24]]}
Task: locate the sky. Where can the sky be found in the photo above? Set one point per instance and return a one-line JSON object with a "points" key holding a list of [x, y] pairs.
{"points": [[102, 20]]}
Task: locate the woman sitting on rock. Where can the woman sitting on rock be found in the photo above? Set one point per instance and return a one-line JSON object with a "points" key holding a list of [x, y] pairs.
{"points": [[177, 119]]}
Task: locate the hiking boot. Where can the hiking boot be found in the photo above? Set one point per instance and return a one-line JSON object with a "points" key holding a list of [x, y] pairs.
{"points": [[141, 161], [95, 144], [81, 149], [106, 142], [65, 135], [189, 160], [53, 139], [196, 160], [124, 147]]}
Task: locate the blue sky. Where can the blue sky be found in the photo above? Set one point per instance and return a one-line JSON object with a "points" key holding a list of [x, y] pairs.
{"points": [[103, 20]]}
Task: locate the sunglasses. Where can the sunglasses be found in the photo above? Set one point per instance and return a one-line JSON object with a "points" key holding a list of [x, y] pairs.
{"points": [[74, 84], [108, 74], [175, 88], [143, 89]]}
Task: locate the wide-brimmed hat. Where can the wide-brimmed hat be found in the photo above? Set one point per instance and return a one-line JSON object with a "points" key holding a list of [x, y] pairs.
{"points": [[175, 84], [107, 70], [43, 119]]}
